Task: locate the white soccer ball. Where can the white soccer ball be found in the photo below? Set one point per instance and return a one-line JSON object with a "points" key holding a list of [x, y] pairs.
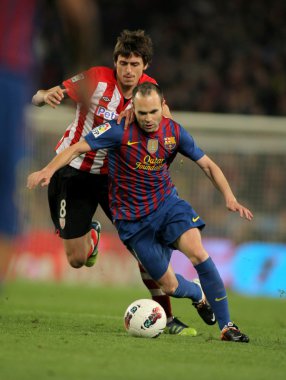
{"points": [[145, 318]]}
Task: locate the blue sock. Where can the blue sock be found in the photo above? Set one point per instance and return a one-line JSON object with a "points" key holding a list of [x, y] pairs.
{"points": [[214, 290], [187, 289]]}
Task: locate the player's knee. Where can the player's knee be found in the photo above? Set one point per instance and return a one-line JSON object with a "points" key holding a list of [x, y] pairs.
{"points": [[75, 261], [169, 288], [199, 257]]}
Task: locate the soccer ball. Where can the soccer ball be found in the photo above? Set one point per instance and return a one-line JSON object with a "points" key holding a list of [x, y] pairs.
{"points": [[145, 318]]}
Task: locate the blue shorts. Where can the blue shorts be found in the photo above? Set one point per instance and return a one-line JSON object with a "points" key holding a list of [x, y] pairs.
{"points": [[13, 96], [151, 239]]}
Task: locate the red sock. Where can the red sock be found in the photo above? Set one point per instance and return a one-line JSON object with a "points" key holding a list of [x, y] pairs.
{"points": [[157, 294]]}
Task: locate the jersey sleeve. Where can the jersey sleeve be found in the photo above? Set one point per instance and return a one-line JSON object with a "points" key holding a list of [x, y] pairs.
{"points": [[146, 78], [188, 146], [105, 136], [84, 81]]}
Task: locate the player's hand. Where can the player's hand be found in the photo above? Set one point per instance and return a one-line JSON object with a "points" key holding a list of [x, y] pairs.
{"points": [[54, 97], [244, 212], [129, 117], [42, 177]]}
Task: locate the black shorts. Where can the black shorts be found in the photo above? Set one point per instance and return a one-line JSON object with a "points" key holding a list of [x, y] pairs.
{"points": [[73, 199]]}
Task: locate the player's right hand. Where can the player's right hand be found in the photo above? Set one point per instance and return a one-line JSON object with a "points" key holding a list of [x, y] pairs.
{"points": [[54, 96], [129, 117], [42, 177]]}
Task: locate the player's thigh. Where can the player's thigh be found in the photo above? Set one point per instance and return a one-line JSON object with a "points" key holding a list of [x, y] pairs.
{"points": [[8, 202], [8, 185], [12, 148], [103, 197], [153, 255], [177, 220], [72, 202], [190, 243]]}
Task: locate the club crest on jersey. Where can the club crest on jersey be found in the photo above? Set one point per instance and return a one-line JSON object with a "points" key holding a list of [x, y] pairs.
{"points": [[170, 142], [152, 146], [77, 77], [101, 129], [62, 223]]}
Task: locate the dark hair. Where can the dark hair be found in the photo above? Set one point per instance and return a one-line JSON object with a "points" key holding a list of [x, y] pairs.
{"points": [[146, 88], [136, 42]]}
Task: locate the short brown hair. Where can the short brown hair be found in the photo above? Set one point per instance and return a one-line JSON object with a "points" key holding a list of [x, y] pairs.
{"points": [[146, 88], [136, 42]]}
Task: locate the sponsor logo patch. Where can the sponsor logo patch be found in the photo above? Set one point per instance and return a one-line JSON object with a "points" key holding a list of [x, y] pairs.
{"points": [[77, 77], [101, 129], [106, 114]]}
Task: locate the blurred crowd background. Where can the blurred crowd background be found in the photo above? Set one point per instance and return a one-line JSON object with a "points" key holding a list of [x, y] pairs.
{"points": [[209, 55]]}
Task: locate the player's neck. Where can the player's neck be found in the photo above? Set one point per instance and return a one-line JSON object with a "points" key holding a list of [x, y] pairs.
{"points": [[126, 91]]}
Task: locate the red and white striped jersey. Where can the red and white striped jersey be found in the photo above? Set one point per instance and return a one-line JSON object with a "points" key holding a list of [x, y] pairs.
{"points": [[106, 103]]}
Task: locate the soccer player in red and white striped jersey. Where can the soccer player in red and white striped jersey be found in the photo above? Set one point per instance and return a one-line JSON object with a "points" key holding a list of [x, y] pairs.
{"points": [[101, 94]]}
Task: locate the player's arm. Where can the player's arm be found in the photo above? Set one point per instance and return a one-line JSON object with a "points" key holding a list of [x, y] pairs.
{"points": [[53, 97], [44, 176], [215, 174], [103, 136]]}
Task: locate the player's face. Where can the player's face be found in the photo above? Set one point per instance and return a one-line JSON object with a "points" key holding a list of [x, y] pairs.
{"points": [[129, 70], [148, 111]]}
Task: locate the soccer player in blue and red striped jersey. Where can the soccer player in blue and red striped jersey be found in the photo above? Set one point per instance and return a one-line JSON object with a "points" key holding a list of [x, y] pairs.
{"points": [[18, 19], [16, 32], [150, 217]]}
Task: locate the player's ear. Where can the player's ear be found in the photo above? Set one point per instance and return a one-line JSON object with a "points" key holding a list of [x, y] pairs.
{"points": [[145, 67]]}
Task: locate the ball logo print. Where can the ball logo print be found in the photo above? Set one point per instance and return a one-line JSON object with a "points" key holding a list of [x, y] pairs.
{"points": [[152, 318], [145, 318]]}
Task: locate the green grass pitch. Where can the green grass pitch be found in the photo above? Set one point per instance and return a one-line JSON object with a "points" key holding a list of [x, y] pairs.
{"points": [[74, 332]]}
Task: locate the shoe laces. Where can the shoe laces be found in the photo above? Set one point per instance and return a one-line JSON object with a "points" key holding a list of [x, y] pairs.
{"points": [[231, 326], [201, 304]]}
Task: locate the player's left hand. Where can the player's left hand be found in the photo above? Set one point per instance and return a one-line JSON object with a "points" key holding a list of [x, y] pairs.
{"points": [[235, 206], [129, 117], [42, 177]]}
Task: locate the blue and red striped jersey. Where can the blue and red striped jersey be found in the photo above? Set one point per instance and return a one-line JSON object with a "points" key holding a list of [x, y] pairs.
{"points": [[16, 33], [138, 163]]}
